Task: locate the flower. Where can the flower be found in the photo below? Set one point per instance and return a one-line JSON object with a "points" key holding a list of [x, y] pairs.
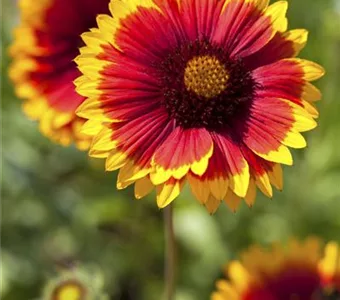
{"points": [[201, 91], [76, 284], [299, 271], [45, 44]]}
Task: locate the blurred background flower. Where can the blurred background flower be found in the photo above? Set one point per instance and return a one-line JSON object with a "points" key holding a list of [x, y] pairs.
{"points": [[300, 270], [60, 207], [46, 41], [77, 283]]}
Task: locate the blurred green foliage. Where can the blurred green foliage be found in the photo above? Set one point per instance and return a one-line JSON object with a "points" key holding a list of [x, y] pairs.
{"points": [[61, 208]]}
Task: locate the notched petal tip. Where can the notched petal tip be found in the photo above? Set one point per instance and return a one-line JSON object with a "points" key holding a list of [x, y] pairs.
{"points": [[168, 192], [239, 182], [312, 71], [277, 11], [280, 155]]}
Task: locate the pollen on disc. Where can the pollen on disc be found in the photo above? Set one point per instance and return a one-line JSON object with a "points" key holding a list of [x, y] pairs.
{"points": [[206, 76], [69, 291]]}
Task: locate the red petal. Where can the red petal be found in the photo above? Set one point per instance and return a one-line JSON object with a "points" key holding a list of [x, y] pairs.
{"points": [[236, 163], [141, 137], [139, 31], [242, 28], [257, 165], [200, 17], [75, 18], [269, 122], [282, 79], [282, 45], [183, 150]]}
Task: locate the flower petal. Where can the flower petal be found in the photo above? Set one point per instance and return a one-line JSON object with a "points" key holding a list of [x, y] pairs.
{"points": [[237, 166], [251, 193], [276, 177], [123, 9], [232, 200], [199, 188], [212, 204], [184, 150], [132, 145], [263, 183], [282, 45], [143, 187], [311, 93], [273, 124], [129, 173], [115, 160], [168, 191], [239, 276], [218, 187], [225, 291], [214, 183], [288, 79], [249, 19]]}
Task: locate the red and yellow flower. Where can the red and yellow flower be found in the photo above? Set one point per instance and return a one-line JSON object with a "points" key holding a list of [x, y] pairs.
{"points": [[208, 92], [45, 45], [299, 271]]}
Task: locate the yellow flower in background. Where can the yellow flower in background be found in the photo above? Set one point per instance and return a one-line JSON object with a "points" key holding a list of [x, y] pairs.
{"points": [[45, 45], [207, 92], [77, 284], [301, 271], [69, 290]]}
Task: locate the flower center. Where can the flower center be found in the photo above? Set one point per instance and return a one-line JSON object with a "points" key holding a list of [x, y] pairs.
{"points": [[69, 290], [206, 76], [203, 87], [294, 282]]}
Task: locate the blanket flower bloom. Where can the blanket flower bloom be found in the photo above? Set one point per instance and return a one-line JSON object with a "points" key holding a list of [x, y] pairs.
{"points": [[201, 91], [79, 283], [299, 271], [45, 45]]}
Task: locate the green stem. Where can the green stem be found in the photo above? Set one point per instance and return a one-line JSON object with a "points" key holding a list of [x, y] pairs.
{"points": [[170, 253]]}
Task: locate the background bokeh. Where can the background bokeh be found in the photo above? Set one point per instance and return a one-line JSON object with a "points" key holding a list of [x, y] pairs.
{"points": [[60, 208]]}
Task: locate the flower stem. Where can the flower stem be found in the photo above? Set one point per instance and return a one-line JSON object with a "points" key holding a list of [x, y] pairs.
{"points": [[170, 253]]}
